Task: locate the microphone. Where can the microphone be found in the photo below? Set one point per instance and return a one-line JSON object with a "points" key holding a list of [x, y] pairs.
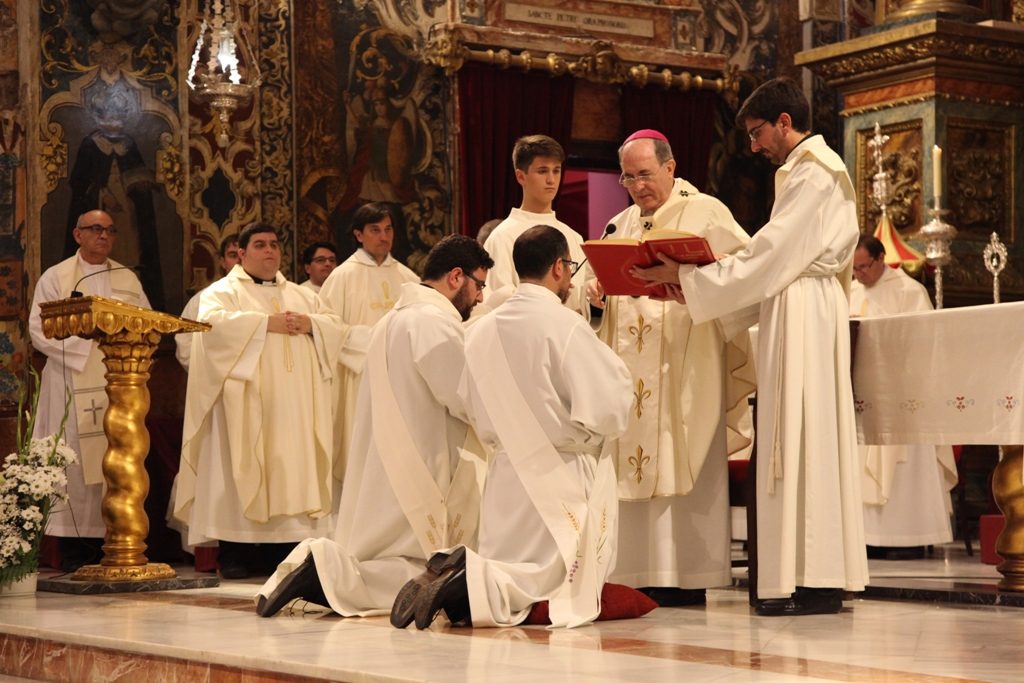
{"points": [[608, 230], [75, 293]]}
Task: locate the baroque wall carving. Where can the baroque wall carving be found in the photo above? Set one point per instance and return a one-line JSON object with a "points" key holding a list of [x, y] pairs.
{"points": [[979, 175], [902, 162]]}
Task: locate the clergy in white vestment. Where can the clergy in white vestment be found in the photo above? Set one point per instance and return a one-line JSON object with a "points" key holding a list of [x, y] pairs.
{"points": [[411, 489], [318, 260], [688, 382], [537, 160], [227, 257], [905, 488], [361, 291], [793, 276], [545, 394], [76, 365], [257, 445]]}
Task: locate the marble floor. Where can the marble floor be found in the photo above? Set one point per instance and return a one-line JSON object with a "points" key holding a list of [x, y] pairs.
{"points": [[212, 634]]}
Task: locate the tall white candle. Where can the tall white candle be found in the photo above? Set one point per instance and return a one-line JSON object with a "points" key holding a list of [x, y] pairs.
{"points": [[937, 170]]}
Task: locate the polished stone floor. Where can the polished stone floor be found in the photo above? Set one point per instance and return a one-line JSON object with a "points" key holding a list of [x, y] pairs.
{"points": [[212, 634]]}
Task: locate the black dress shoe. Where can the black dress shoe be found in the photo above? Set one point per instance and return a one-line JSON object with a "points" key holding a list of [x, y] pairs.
{"points": [[804, 601], [448, 592], [233, 560], [302, 583], [667, 596], [403, 611], [913, 552]]}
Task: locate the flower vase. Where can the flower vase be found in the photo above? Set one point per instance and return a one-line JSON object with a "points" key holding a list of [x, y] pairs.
{"points": [[20, 588]]}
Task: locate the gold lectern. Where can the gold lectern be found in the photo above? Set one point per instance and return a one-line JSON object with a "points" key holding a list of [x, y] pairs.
{"points": [[127, 336]]}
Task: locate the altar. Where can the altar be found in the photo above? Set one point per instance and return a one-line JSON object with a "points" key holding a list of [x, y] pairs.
{"points": [[946, 377]]}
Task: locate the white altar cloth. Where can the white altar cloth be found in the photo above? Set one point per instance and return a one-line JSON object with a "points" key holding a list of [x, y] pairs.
{"points": [[954, 376]]}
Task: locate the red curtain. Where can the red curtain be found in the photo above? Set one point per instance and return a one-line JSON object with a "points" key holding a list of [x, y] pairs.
{"points": [[495, 108], [686, 118]]}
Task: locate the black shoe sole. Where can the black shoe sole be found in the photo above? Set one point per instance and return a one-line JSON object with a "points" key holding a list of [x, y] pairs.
{"points": [[302, 582]]}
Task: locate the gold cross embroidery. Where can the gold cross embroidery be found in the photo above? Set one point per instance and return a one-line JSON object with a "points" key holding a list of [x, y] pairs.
{"points": [[638, 461], [640, 395], [387, 303], [639, 330]]}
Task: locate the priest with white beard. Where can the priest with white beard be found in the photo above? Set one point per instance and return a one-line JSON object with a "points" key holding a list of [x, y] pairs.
{"points": [[361, 291], [689, 388], [793, 277], [410, 489], [257, 445], [545, 394], [76, 365], [906, 488], [537, 161]]}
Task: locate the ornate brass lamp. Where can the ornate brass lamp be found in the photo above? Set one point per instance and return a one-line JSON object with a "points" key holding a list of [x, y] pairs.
{"points": [[224, 71]]}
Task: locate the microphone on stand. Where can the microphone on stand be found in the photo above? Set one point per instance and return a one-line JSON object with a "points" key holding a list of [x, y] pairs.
{"points": [[609, 229], [75, 293]]}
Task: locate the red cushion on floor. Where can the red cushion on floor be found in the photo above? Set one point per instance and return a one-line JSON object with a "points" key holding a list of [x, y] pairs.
{"points": [[617, 602]]}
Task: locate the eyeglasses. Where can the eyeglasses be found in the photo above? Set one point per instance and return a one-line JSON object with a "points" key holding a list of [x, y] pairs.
{"points": [[99, 229], [480, 284], [627, 180], [864, 266], [573, 266], [325, 259], [755, 131]]}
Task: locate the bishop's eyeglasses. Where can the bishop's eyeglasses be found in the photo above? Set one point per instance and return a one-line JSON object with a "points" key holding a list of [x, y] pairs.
{"points": [[99, 229]]}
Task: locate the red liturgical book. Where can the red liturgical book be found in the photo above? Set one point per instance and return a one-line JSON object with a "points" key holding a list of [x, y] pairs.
{"points": [[612, 259]]}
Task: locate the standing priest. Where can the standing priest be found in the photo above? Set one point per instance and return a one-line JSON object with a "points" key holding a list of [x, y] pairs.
{"points": [[76, 365], [794, 274], [689, 391], [256, 460]]}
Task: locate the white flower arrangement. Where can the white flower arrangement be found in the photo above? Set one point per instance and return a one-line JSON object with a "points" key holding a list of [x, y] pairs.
{"points": [[32, 480]]}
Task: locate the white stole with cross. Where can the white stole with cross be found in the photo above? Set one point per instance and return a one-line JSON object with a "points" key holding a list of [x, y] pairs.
{"points": [[90, 383], [581, 525]]}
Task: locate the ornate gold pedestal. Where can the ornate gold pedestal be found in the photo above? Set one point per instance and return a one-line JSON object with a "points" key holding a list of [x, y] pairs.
{"points": [[127, 336], [1009, 495]]}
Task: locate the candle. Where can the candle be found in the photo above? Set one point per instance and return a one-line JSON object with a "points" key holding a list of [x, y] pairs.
{"points": [[937, 170]]}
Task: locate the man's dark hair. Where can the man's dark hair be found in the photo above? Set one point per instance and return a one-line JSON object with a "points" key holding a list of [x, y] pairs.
{"points": [[374, 212], [309, 252], [255, 228], [537, 249], [774, 97], [455, 251], [529, 147], [225, 243], [872, 245]]}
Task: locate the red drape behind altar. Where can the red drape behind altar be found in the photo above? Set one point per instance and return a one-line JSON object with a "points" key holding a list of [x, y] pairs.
{"points": [[495, 108], [686, 118]]}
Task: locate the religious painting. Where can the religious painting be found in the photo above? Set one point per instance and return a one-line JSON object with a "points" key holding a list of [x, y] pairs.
{"points": [[901, 162], [979, 177], [105, 108], [390, 140]]}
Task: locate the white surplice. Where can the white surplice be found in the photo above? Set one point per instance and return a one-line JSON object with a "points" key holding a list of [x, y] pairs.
{"points": [[65, 362], [308, 284], [361, 292], [503, 275], [906, 488], [257, 446], [687, 379], [183, 340], [545, 393], [386, 528], [796, 271]]}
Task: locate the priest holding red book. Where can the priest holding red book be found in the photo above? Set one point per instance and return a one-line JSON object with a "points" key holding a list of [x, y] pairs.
{"points": [[689, 382]]}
